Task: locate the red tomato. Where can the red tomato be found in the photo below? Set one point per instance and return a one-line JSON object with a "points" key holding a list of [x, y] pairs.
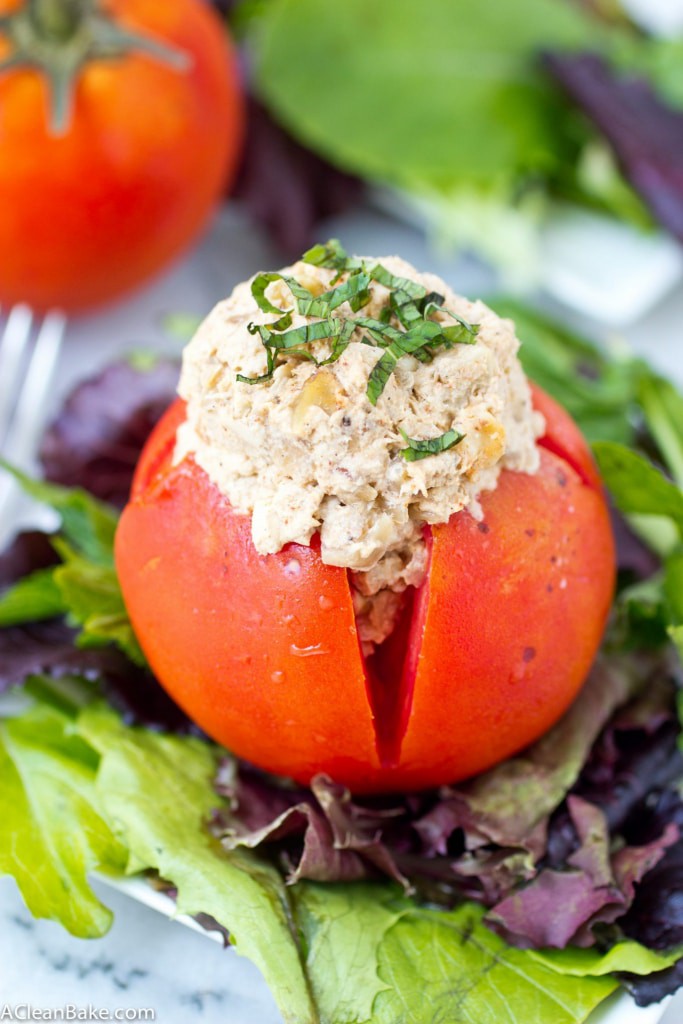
{"points": [[148, 150], [263, 653]]}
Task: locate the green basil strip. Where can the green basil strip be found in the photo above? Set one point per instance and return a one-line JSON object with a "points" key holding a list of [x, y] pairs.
{"points": [[354, 291], [397, 284], [382, 334], [433, 307], [264, 377], [261, 282], [279, 325], [331, 255], [333, 327], [406, 310], [410, 343], [417, 450], [459, 334], [362, 295], [432, 301], [339, 344]]}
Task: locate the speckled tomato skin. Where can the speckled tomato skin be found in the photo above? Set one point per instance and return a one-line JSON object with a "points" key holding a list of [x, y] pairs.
{"points": [[262, 651], [149, 151]]}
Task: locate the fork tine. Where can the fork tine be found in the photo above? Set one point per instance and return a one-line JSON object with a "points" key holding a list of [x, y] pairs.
{"points": [[29, 419], [29, 416], [12, 345]]}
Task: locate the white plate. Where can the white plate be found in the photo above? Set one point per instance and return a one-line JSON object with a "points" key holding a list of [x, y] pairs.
{"points": [[663, 17]]}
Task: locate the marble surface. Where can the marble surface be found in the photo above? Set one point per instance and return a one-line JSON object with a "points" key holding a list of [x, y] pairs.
{"points": [[144, 962], [147, 961]]}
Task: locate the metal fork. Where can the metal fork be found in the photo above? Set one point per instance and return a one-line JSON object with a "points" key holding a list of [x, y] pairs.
{"points": [[29, 350]]}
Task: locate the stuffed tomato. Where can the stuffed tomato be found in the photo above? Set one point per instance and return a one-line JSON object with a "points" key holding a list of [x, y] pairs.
{"points": [[303, 661]]}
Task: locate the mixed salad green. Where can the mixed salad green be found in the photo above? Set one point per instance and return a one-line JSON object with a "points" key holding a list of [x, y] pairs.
{"points": [[479, 114], [529, 893]]}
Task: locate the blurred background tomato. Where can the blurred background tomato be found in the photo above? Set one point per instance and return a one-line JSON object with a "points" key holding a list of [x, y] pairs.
{"points": [[120, 127]]}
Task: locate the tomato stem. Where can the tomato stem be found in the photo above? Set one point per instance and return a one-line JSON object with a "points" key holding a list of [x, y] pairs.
{"points": [[59, 38], [58, 20]]}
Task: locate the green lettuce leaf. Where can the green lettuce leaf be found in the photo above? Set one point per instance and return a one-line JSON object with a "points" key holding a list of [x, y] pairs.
{"points": [[342, 928], [673, 599], [626, 956], [85, 587], [599, 391], [401, 94], [52, 830], [636, 485], [662, 405], [88, 524], [91, 594], [466, 973], [33, 599], [156, 791]]}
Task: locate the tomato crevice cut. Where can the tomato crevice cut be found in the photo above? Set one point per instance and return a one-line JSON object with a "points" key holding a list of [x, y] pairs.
{"points": [[391, 670]]}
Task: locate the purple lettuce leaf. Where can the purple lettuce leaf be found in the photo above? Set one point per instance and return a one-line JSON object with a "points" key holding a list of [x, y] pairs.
{"points": [[286, 187], [645, 133], [636, 755], [28, 553], [655, 917], [140, 699], [48, 648], [647, 762], [339, 840], [594, 888], [585, 887], [652, 988], [96, 439]]}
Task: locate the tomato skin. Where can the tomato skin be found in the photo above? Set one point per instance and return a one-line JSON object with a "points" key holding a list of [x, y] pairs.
{"points": [[149, 150], [265, 657]]}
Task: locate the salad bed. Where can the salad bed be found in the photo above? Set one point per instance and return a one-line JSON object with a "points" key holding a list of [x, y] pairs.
{"points": [[437, 906]]}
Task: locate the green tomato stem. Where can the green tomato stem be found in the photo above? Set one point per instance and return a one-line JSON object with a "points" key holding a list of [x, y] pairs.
{"points": [[58, 20], [59, 38]]}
